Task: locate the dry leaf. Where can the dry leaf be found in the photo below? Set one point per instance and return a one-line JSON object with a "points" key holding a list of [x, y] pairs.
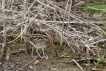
{"points": [[7, 54], [21, 5], [96, 69], [36, 62], [97, 17], [67, 7], [77, 46]]}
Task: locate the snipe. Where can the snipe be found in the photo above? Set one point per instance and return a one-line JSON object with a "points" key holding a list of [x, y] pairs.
{"points": [[40, 42]]}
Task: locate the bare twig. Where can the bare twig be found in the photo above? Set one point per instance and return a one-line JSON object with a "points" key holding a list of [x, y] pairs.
{"points": [[4, 28], [27, 64], [78, 64]]}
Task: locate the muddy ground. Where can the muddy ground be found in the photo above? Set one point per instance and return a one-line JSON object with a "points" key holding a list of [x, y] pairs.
{"points": [[62, 61]]}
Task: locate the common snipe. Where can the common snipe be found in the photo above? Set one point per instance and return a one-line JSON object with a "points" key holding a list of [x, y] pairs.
{"points": [[40, 42]]}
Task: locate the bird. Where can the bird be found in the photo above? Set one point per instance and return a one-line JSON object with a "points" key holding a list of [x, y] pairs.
{"points": [[39, 42], [38, 46]]}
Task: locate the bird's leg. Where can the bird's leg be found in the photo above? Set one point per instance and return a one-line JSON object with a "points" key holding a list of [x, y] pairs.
{"points": [[38, 53], [44, 54], [43, 51]]}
